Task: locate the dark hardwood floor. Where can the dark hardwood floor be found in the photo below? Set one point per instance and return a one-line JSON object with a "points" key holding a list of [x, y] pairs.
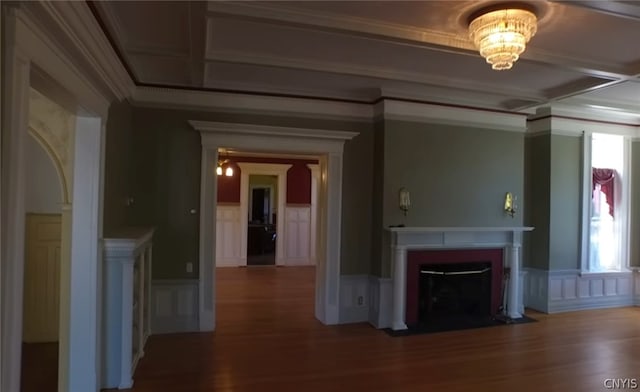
{"points": [[268, 340]]}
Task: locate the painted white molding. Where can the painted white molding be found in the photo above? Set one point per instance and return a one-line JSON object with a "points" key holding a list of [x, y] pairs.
{"points": [[391, 109], [315, 177], [636, 286], [380, 301], [228, 236], [174, 306], [568, 290], [81, 33], [15, 104], [126, 312], [268, 169], [260, 104], [354, 298], [326, 144], [297, 236], [404, 239], [558, 122]]}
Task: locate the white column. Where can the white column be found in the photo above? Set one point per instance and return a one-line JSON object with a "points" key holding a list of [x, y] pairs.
{"points": [[399, 288], [513, 310], [85, 305], [126, 381]]}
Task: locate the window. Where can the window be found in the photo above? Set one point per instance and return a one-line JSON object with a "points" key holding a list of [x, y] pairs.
{"points": [[607, 212]]}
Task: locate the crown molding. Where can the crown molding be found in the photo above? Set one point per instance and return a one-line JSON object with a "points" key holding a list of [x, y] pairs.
{"points": [[82, 38], [390, 109], [251, 103], [573, 121]]}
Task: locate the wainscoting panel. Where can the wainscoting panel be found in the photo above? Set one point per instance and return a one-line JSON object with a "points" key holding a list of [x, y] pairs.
{"points": [[354, 298], [570, 290], [380, 297], [174, 306], [637, 286], [536, 289], [297, 236], [228, 232]]}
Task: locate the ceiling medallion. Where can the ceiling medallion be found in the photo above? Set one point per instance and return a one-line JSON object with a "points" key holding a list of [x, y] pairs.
{"points": [[501, 35]]}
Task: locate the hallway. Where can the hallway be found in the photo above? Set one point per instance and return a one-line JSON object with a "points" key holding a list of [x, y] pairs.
{"points": [[268, 340]]}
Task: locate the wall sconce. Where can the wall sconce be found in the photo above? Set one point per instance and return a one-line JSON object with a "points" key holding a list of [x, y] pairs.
{"points": [[227, 172], [510, 206], [404, 201]]}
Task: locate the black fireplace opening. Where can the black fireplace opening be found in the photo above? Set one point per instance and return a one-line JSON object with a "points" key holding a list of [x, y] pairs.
{"points": [[454, 295]]}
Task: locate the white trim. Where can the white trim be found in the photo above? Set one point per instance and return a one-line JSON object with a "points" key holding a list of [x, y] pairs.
{"points": [[329, 146], [585, 208], [239, 102], [27, 44], [569, 290], [550, 121], [354, 298], [86, 271], [404, 239], [380, 301], [451, 115], [80, 27], [315, 177], [15, 127], [268, 169]]}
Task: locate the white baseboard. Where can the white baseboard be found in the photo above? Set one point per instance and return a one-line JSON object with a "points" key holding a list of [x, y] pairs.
{"points": [[568, 290], [381, 296], [354, 298], [174, 306], [302, 261]]}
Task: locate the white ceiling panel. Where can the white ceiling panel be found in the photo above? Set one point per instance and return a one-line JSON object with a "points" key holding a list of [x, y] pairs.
{"points": [[365, 49]]}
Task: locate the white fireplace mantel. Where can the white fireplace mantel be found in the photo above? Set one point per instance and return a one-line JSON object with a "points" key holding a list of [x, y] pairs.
{"points": [[404, 239]]}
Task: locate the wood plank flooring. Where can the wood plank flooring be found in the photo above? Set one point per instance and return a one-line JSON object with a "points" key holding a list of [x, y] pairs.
{"points": [[268, 340]]}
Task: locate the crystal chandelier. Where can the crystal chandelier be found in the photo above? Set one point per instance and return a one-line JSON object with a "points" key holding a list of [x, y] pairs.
{"points": [[502, 35]]}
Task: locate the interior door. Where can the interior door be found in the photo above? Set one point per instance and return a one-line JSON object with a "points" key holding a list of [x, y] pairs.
{"points": [[42, 277]]}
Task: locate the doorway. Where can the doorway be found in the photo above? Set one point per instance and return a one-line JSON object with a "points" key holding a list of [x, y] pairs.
{"points": [[328, 146], [261, 231]]}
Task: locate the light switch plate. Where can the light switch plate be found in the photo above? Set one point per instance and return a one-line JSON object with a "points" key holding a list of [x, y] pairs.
{"points": [[189, 267]]}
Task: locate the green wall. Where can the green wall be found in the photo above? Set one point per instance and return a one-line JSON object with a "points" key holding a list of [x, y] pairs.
{"points": [[635, 205], [538, 185], [166, 185], [553, 182], [565, 202], [457, 176], [118, 164]]}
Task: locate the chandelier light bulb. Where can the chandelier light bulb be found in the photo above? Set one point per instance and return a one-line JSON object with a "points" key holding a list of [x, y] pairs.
{"points": [[219, 170], [228, 172]]}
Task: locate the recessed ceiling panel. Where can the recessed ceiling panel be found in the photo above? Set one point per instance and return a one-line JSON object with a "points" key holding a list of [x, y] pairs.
{"points": [[154, 26]]}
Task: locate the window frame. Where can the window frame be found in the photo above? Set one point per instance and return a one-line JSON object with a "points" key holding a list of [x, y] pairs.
{"points": [[622, 209]]}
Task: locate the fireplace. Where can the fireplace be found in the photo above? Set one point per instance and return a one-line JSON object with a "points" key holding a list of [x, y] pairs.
{"points": [[411, 247], [456, 293], [444, 285]]}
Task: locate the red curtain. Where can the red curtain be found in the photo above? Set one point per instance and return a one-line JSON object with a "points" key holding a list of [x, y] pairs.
{"points": [[604, 178]]}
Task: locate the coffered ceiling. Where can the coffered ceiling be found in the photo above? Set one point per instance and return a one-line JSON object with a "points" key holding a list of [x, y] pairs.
{"points": [[585, 53]]}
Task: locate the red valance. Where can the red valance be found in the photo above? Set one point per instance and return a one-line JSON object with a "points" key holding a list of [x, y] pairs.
{"points": [[604, 178]]}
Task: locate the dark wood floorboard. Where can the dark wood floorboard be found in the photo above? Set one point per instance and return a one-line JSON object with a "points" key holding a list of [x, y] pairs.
{"points": [[268, 340]]}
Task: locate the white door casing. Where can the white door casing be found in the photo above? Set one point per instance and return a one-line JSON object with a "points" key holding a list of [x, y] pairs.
{"points": [[324, 143], [27, 47]]}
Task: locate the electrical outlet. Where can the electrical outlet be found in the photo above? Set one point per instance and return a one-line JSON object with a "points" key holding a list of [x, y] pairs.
{"points": [[360, 300], [189, 267]]}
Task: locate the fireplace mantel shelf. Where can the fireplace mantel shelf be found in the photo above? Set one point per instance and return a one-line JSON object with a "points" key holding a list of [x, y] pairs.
{"points": [[404, 239]]}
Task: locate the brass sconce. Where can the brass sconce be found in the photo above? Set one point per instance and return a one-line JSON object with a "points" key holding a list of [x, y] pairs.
{"points": [[404, 200], [510, 206]]}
